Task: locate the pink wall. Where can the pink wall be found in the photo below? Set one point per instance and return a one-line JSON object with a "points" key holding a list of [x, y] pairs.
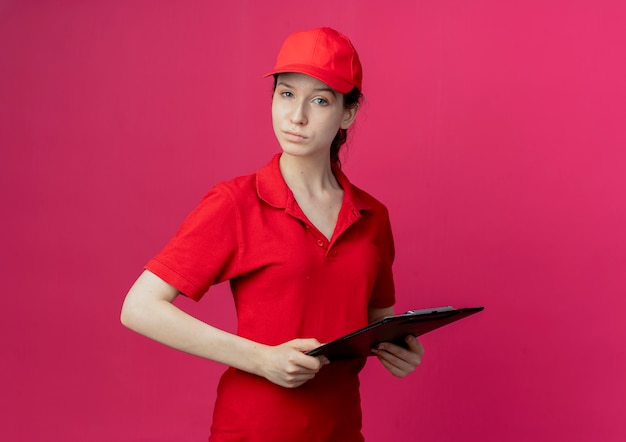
{"points": [[493, 130]]}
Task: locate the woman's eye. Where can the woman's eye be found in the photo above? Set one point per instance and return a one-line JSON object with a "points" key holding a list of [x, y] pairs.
{"points": [[321, 101], [286, 94]]}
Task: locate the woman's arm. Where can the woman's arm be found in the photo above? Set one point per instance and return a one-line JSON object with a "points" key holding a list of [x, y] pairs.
{"points": [[376, 314], [398, 360], [149, 310]]}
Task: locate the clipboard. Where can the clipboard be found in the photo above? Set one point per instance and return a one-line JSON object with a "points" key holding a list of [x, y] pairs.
{"points": [[391, 329]]}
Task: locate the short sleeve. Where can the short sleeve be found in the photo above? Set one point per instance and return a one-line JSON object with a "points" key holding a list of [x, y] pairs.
{"points": [[383, 294], [204, 251]]}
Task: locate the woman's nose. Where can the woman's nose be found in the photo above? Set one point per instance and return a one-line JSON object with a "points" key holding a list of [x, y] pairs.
{"points": [[298, 114]]}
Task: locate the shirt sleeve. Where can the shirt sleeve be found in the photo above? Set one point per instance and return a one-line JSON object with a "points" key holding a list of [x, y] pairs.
{"points": [[204, 251], [384, 292]]}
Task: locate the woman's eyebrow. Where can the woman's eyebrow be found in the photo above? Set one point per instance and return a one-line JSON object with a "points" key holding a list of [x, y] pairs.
{"points": [[318, 89], [326, 89]]}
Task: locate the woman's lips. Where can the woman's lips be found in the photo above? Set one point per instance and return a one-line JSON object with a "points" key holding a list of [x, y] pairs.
{"points": [[294, 136]]}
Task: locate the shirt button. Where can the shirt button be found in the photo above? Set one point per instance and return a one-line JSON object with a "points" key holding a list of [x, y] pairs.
{"points": [[320, 243]]}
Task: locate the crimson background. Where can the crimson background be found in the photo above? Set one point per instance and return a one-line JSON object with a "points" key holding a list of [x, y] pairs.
{"points": [[493, 130]]}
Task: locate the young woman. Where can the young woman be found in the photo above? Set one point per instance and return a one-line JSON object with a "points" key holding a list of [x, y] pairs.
{"points": [[308, 256]]}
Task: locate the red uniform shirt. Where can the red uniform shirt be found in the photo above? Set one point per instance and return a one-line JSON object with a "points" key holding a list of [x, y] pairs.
{"points": [[288, 282]]}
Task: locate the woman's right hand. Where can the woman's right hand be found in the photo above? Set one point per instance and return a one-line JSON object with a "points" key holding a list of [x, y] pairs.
{"points": [[288, 366]]}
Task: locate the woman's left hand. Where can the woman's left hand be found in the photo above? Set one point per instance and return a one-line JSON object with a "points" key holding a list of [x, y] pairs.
{"points": [[398, 360]]}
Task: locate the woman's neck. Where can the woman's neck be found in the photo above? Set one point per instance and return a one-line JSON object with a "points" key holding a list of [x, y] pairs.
{"points": [[309, 175]]}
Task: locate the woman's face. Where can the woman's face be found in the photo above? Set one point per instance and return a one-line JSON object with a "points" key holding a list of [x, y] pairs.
{"points": [[306, 115]]}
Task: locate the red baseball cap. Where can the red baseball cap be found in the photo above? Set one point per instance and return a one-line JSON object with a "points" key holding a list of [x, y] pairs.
{"points": [[321, 53]]}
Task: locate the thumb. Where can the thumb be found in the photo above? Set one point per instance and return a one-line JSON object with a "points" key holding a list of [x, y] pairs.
{"points": [[305, 344]]}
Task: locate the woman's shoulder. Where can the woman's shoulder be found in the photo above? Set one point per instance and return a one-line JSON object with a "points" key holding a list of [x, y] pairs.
{"points": [[234, 189], [366, 195], [243, 188], [247, 182], [368, 200], [361, 198]]}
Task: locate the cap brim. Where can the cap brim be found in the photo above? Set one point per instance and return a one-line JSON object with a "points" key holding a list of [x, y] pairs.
{"points": [[340, 85]]}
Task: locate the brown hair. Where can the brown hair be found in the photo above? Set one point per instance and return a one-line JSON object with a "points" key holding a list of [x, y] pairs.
{"points": [[350, 101]]}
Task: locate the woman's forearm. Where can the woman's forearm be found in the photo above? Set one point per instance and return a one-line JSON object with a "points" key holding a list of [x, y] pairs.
{"points": [[148, 310]]}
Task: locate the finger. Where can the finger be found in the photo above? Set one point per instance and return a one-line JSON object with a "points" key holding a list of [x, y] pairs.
{"points": [[397, 365], [398, 357], [415, 345], [305, 344], [412, 355], [394, 369], [297, 379], [313, 363], [324, 360], [309, 362], [304, 363], [294, 382], [394, 350]]}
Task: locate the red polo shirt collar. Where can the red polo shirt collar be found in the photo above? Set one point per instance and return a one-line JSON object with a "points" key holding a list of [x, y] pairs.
{"points": [[272, 188]]}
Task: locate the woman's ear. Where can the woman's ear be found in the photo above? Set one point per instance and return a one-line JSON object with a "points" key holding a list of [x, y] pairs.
{"points": [[349, 116]]}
